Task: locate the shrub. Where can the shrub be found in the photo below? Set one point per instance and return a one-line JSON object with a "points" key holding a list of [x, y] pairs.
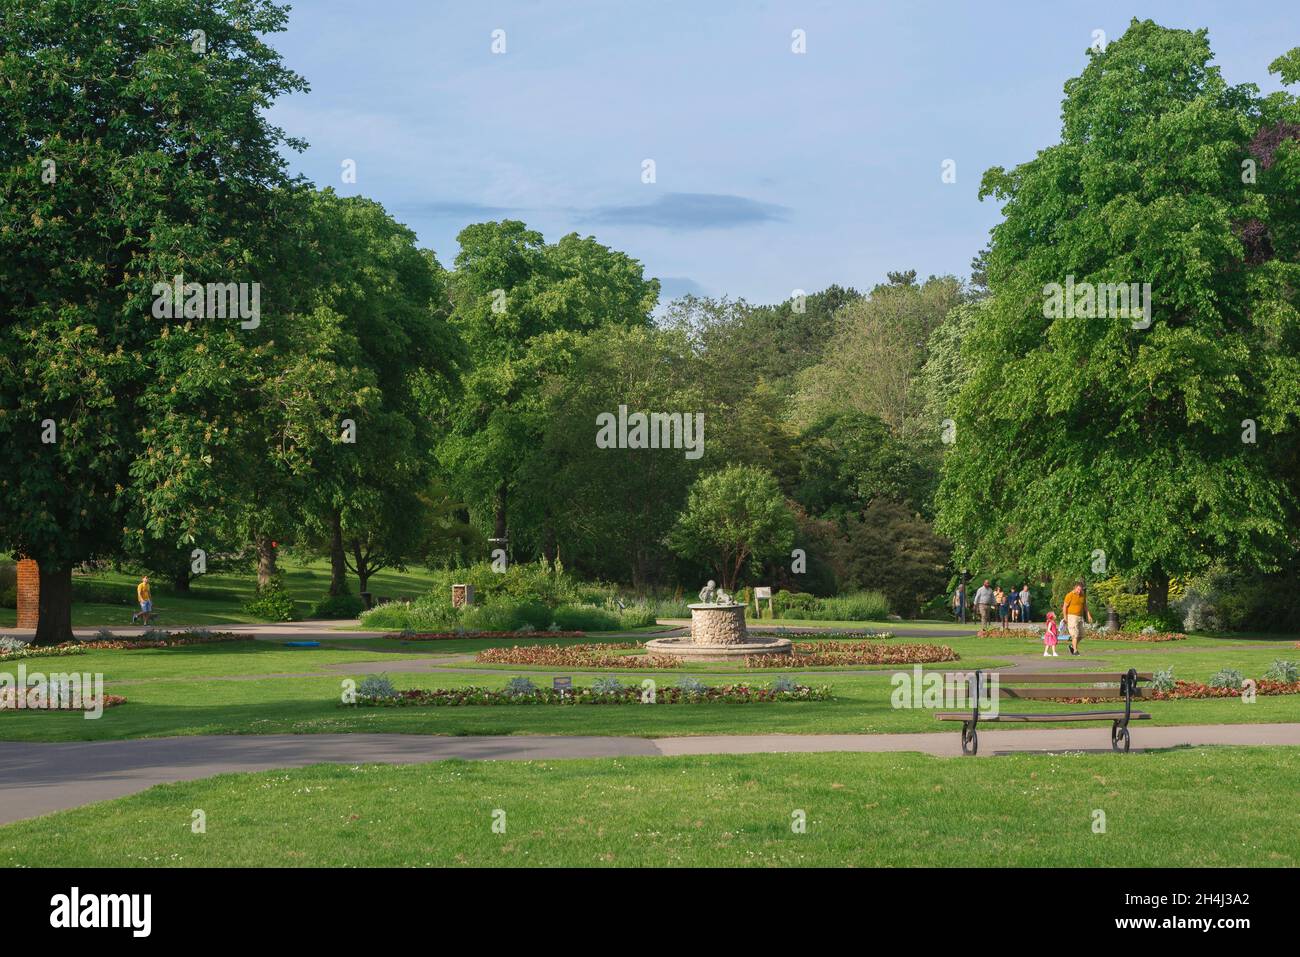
{"points": [[1226, 678], [859, 606], [10, 645], [338, 606], [1163, 680], [272, 603], [376, 686], [106, 634], [784, 683], [519, 687], [691, 685], [607, 684], [505, 616], [793, 604], [1282, 670], [636, 616], [585, 618], [1166, 621]]}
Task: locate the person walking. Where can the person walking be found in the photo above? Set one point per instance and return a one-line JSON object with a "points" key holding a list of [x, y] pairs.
{"points": [[1049, 637], [1074, 609], [984, 603], [1025, 612], [1004, 607], [959, 603], [145, 599]]}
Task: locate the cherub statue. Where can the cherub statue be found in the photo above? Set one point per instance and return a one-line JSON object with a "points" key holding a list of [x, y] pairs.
{"points": [[707, 592], [723, 598]]}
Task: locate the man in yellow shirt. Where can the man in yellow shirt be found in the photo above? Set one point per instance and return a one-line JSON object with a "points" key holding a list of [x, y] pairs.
{"points": [[146, 602], [1073, 610]]}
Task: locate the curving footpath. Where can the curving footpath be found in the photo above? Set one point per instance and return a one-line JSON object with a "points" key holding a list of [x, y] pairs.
{"points": [[39, 777]]}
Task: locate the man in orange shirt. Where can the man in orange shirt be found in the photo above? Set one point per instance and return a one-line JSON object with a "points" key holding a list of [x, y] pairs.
{"points": [[1073, 610], [145, 599]]}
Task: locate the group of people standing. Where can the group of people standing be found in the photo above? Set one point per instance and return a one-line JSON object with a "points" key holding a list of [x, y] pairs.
{"points": [[1014, 605]]}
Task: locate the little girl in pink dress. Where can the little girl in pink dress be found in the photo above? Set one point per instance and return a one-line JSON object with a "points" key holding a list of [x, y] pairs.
{"points": [[1049, 637]]}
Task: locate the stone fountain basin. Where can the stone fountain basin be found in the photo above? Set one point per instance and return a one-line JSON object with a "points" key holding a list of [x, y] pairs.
{"points": [[718, 633], [684, 647]]}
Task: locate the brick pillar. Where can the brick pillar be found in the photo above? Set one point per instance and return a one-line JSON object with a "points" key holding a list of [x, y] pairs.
{"points": [[29, 592]]}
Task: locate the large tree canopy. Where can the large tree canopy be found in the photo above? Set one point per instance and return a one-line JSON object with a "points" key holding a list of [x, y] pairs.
{"points": [[130, 153], [1103, 432]]}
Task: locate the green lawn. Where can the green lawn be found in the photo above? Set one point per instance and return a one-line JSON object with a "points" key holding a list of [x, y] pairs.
{"points": [[1184, 808], [218, 599], [260, 687]]}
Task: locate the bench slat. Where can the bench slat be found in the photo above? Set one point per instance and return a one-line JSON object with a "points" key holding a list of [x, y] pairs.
{"points": [[1097, 693], [1043, 678], [1049, 716]]}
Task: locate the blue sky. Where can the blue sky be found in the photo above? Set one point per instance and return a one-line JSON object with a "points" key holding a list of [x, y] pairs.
{"points": [[774, 171]]}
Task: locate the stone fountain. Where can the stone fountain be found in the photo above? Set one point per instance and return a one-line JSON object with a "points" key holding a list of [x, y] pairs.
{"points": [[718, 632]]}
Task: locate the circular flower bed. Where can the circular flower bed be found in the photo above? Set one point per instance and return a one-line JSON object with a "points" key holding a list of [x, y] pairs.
{"points": [[819, 653], [577, 656]]}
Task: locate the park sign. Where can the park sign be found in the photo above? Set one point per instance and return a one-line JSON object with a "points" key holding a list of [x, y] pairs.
{"points": [[562, 685]]}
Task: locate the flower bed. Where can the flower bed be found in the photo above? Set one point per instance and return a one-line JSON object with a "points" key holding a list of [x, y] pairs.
{"points": [[816, 653], [459, 697], [8, 699], [176, 640], [44, 651], [1185, 690], [577, 656], [452, 635], [1037, 635]]}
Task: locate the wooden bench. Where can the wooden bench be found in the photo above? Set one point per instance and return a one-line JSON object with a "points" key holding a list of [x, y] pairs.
{"points": [[1010, 685]]}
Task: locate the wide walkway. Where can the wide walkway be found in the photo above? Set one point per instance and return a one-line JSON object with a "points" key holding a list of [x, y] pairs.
{"points": [[40, 777]]}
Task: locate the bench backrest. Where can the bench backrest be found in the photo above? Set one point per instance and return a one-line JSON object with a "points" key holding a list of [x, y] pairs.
{"points": [[1009, 683]]}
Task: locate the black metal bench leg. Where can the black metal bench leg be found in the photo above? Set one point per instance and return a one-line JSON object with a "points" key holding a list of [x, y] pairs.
{"points": [[970, 740], [1119, 739]]}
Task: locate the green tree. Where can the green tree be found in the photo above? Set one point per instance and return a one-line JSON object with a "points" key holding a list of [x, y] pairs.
{"points": [[521, 305], [392, 301], [611, 507], [733, 518], [129, 154], [873, 362], [1103, 434]]}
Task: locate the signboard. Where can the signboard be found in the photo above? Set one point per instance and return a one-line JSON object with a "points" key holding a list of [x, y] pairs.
{"points": [[562, 685], [762, 592]]}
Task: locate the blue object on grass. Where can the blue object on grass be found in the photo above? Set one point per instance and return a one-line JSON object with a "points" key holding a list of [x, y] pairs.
{"points": [[302, 644]]}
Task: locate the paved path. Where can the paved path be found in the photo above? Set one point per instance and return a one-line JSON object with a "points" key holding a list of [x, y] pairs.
{"points": [[38, 778]]}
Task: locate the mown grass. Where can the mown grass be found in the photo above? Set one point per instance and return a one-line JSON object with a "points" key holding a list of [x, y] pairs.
{"points": [[1197, 807], [231, 689]]}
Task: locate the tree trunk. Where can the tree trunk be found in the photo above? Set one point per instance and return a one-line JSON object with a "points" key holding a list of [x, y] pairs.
{"points": [[338, 567], [1157, 593], [499, 527], [54, 624], [181, 580], [362, 566], [550, 550], [266, 568]]}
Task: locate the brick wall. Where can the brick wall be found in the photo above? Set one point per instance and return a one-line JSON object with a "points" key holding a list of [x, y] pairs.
{"points": [[29, 592]]}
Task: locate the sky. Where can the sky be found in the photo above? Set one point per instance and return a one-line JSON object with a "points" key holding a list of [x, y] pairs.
{"points": [[773, 171]]}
